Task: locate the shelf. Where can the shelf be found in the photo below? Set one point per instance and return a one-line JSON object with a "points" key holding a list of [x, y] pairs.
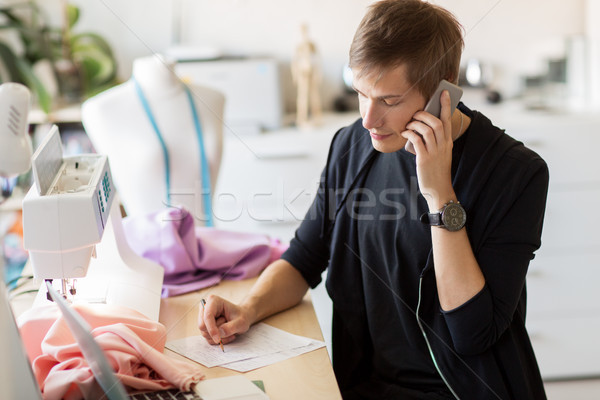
{"points": [[66, 114]]}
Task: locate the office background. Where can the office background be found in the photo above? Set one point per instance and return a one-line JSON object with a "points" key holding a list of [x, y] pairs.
{"points": [[514, 38], [516, 43]]}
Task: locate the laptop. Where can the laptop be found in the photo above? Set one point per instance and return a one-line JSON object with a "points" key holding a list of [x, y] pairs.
{"points": [[17, 380], [16, 377]]}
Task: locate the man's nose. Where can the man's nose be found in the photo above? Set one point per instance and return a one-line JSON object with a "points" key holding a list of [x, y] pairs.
{"points": [[372, 116]]}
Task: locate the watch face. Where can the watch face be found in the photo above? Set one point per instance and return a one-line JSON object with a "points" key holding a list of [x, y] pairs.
{"points": [[454, 217]]}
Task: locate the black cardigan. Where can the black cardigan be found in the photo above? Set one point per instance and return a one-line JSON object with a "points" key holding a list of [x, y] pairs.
{"points": [[482, 347]]}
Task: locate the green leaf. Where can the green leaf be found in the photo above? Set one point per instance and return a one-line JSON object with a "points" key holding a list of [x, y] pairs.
{"points": [[9, 59], [12, 18], [91, 38], [32, 81], [72, 15], [98, 68], [29, 28], [96, 60]]}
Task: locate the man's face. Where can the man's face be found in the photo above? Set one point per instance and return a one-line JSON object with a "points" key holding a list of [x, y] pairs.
{"points": [[387, 103]]}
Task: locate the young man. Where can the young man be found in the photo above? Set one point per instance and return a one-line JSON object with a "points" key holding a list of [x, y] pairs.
{"points": [[420, 311]]}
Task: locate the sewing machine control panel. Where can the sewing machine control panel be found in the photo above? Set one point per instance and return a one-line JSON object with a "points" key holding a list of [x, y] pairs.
{"points": [[104, 194]]}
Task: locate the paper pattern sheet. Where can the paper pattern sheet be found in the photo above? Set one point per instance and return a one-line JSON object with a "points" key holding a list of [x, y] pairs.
{"points": [[262, 345]]}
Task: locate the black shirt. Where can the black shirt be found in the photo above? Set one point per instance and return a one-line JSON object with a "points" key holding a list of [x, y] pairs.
{"points": [[394, 250]]}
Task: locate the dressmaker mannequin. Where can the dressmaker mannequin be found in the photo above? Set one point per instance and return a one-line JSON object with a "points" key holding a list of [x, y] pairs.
{"points": [[119, 127]]}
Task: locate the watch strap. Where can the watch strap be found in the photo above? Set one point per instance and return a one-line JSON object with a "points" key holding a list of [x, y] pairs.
{"points": [[432, 219]]}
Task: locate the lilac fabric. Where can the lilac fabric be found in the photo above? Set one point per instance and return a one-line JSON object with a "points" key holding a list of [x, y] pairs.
{"points": [[198, 257]]}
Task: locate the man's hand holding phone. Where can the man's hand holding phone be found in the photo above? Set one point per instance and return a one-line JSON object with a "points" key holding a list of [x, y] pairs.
{"points": [[434, 105], [430, 138]]}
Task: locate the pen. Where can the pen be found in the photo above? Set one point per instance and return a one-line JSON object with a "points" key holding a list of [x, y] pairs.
{"points": [[203, 302]]}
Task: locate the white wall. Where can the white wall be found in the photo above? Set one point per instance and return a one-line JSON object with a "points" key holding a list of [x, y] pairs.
{"points": [[516, 36], [593, 33]]}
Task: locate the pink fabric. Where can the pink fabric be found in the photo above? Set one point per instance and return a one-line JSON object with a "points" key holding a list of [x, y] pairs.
{"points": [[133, 344], [198, 257]]}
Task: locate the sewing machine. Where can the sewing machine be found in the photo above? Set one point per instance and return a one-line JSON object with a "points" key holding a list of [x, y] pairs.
{"points": [[70, 215], [65, 212], [73, 231], [15, 145]]}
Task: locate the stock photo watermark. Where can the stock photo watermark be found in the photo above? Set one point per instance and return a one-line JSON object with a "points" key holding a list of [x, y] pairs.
{"points": [[281, 203]]}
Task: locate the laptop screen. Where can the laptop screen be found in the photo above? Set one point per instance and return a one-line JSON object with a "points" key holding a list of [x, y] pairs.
{"points": [[17, 380], [16, 377], [103, 372]]}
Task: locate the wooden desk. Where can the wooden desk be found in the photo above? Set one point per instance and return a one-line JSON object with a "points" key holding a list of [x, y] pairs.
{"points": [[309, 376]]}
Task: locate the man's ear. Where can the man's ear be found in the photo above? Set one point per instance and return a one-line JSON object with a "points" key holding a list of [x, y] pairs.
{"points": [[452, 78]]}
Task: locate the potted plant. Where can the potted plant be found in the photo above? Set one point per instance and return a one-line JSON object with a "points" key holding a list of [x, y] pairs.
{"points": [[56, 63]]}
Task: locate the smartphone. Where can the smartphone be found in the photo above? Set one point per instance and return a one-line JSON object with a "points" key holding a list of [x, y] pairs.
{"points": [[434, 106]]}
